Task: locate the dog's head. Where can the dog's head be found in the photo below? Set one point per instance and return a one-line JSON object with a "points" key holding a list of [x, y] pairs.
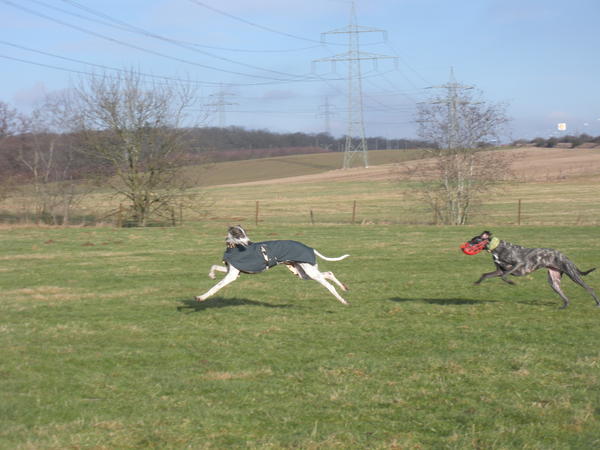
{"points": [[236, 235], [477, 243]]}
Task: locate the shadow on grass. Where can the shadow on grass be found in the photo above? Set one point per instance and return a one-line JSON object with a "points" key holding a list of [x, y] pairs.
{"points": [[442, 301], [220, 302], [464, 301]]}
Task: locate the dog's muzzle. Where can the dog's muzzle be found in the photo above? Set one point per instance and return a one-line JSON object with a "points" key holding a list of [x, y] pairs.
{"points": [[474, 246]]}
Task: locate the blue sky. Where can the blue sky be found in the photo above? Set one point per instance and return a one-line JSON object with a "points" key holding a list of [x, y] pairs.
{"points": [[540, 57]]}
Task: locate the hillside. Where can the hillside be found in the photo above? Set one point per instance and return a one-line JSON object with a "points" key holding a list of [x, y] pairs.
{"points": [[285, 167], [552, 186], [528, 164]]}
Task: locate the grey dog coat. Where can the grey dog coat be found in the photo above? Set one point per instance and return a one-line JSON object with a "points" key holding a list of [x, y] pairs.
{"points": [[260, 256]]}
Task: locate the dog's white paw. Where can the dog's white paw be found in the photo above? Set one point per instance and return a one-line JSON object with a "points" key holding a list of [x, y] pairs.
{"points": [[212, 276], [199, 298]]}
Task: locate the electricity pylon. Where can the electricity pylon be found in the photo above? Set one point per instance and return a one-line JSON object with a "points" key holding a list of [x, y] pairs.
{"points": [[452, 100], [326, 112], [355, 146], [220, 103]]}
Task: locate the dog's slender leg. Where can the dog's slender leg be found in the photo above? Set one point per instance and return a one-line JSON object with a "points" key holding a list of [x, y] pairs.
{"points": [[331, 276], [514, 269], [215, 268], [485, 276], [554, 277], [313, 273], [231, 276], [294, 269], [574, 275], [506, 280]]}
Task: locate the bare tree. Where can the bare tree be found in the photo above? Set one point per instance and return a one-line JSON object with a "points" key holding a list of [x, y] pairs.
{"points": [[137, 130], [47, 155], [9, 121], [459, 127], [9, 127]]}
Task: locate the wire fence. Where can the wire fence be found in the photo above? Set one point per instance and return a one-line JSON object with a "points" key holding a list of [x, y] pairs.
{"points": [[349, 212]]}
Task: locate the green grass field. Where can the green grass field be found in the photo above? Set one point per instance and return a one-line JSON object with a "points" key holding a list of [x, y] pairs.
{"points": [[101, 345]]}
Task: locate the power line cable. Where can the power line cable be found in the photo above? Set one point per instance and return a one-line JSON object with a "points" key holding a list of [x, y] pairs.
{"points": [[48, 66], [247, 22], [262, 27], [124, 26], [99, 66], [388, 94], [395, 51], [136, 47], [178, 41], [146, 75]]}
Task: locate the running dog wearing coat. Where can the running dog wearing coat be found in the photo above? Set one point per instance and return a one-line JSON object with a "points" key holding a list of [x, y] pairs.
{"points": [[245, 256], [511, 259]]}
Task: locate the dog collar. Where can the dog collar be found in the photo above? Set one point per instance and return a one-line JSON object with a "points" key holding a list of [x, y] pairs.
{"points": [[493, 244]]}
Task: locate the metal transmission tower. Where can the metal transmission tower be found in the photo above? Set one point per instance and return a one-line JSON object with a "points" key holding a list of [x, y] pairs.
{"points": [[326, 112], [220, 103], [452, 100], [356, 146]]}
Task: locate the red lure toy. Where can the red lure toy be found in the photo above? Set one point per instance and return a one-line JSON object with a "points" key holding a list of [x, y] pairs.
{"points": [[472, 249]]}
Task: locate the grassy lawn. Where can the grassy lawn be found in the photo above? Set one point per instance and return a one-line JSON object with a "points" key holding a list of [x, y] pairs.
{"points": [[101, 345]]}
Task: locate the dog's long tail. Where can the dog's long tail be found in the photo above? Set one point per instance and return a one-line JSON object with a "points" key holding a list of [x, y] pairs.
{"points": [[586, 272], [330, 259]]}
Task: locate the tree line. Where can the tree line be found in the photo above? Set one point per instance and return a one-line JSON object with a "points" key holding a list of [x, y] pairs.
{"points": [[235, 143], [573, 140], [21, 134]]}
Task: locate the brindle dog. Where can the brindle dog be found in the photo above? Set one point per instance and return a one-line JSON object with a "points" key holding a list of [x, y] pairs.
{"points": [[511, 259]]}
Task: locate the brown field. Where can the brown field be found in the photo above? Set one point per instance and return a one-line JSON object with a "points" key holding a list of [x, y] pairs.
{"points": [[527, 164]]}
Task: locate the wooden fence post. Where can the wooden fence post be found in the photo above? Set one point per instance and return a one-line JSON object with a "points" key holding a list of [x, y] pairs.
{"points": [[312, 217], [120, 216], [354, 212], [519, 213], [256, 213]]}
